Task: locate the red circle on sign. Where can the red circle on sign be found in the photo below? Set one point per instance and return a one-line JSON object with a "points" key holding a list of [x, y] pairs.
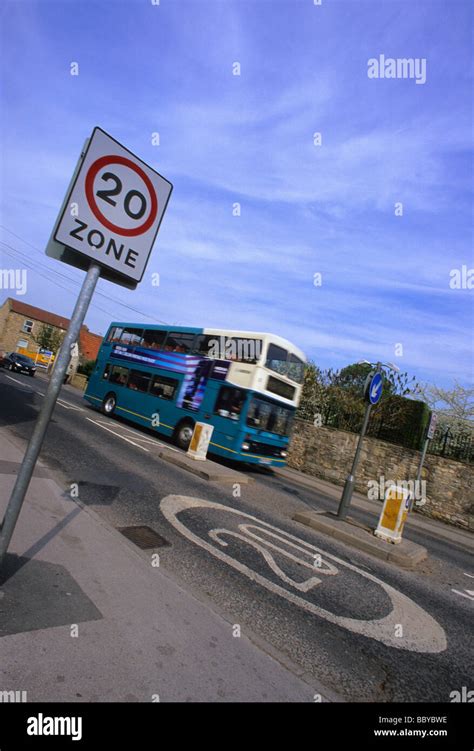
{"points": [[89, 185]]}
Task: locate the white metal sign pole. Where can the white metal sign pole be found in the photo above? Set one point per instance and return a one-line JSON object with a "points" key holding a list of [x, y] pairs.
{"points": [[34, 446]]}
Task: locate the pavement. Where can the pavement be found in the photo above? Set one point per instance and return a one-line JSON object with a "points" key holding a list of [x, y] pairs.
{"points": [[106, 623]]}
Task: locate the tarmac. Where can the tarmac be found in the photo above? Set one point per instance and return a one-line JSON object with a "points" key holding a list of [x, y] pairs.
{"points": [[87, 616]]}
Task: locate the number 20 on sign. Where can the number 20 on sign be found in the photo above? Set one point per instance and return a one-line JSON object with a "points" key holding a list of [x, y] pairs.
{"points": [[114, 208]]}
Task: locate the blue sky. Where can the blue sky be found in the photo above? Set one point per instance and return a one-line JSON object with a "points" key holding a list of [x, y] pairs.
{"points": [[305, 209]]}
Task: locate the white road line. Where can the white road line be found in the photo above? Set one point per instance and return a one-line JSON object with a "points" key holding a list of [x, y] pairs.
{"points": [[471, 576], [146, 438], [61, 402], [139, 437], [117, 434], [22, 383], [469, 595], [25, 385], [68, 405]]}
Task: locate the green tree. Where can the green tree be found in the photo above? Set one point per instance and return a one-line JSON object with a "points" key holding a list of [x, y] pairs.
{"points": [[48, 337], [86, 367], [335, 398], [354, 376]]}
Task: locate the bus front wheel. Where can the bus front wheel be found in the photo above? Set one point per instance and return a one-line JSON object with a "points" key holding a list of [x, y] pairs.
{"points": [[109, 404], [183, 434]]}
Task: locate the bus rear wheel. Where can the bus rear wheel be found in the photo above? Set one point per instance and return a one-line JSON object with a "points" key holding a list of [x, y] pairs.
{"points": [[109, 403], [183, 434]]}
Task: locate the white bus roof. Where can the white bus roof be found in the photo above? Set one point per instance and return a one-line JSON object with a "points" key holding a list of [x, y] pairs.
{"points": [[273, 338]]}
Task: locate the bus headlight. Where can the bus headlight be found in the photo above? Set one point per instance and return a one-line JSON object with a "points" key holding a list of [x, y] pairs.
{"points": [[245, 447], [283, 454]]}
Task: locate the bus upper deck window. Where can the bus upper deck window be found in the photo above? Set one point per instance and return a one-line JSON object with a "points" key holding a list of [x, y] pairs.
{"points": [[207, 345], [153, 338], [277, 359], [296, 368], [115, 334], [131, 337], [180, 342]]}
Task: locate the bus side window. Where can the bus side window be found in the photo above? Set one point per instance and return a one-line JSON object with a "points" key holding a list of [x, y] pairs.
{"points": [[229, 402], [163, 388], [119, 375], [139, 381]]}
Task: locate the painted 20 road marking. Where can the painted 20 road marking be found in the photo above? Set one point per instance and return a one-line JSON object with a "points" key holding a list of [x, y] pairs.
{"points": [[421, 632]]}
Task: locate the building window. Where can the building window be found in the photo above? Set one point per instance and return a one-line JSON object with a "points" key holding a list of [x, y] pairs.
{"points": [[27, 327]]}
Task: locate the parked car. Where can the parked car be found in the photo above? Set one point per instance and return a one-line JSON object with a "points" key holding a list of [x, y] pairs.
{"points": [[19, 363]]}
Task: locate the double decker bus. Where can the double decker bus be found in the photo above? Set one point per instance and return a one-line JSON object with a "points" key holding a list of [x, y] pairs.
{"points": [[167, 378]]}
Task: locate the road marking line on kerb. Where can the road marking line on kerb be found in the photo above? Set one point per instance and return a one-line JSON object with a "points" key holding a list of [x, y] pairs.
{"points": [[68, 405], [117, 434]]}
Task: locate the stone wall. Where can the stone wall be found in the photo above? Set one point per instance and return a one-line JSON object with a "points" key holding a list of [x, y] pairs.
{"points": [[328, 453], [79, 381]]}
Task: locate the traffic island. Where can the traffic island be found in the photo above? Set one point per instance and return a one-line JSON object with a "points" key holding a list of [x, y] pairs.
{"points": [[206, 470], [405, 554]]}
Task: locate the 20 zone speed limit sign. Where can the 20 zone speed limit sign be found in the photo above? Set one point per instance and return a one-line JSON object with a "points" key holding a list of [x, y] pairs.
{"points": [[114, 208]]}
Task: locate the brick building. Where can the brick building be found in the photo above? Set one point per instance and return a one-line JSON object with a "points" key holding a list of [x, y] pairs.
{"points": [[20, 323]]}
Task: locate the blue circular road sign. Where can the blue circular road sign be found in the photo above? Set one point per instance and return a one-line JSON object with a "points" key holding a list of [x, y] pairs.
{"points": [[374, 392]]}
